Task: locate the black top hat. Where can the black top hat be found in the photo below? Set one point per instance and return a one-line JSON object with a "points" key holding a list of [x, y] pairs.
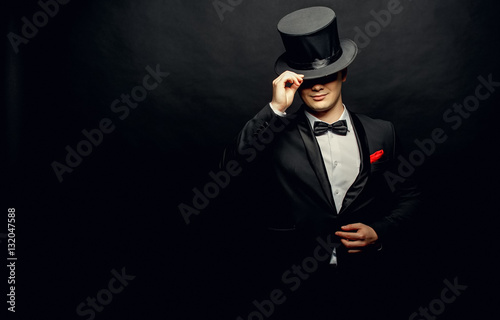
{"points": [[312, 44]]}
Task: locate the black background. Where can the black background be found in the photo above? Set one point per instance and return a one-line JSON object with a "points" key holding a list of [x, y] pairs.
{"points": [[118, 208]]}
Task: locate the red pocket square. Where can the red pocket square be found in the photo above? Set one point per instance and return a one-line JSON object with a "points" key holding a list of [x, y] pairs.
{"points": [[376, 155]]}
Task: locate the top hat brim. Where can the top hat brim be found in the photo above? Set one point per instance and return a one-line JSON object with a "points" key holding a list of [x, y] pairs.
{"points": [[349, 52]]}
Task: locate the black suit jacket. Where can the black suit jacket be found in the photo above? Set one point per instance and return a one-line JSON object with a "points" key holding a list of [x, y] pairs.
{"points": [[291, 191]]}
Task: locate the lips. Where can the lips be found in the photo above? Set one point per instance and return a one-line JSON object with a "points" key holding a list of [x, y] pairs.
{"points": [[319, 97]]}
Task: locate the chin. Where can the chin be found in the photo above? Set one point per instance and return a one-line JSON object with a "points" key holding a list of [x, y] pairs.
{"points": [[319, 107]]}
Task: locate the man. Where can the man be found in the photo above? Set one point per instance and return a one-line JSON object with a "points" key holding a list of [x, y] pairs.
{"points": [[320, 174]]}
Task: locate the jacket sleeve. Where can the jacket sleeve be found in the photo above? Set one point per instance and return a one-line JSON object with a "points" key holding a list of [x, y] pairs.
{"points": [[255, 138]]}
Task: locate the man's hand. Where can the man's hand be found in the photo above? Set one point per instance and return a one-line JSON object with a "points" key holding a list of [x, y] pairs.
{"points": [[282, 92], [363, 239]]}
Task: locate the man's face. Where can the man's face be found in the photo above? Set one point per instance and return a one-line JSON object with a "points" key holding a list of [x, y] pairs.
{"points": [[322, 94]]}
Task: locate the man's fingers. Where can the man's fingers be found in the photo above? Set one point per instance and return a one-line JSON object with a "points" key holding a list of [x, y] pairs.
{"points": [[289, 77], [349, 235], [353, 244], [354, 251], [284, 88], [293, 81], [294, 87], [296, 83], [352, 226], [299, 79], [357, 241]]}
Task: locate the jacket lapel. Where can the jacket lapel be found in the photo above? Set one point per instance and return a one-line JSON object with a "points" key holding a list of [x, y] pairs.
{"points": [[364, 170], [316, 160], [314, 155]]}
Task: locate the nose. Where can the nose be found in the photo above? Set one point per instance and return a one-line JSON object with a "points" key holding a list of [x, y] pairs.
{"points": [[317, 87]]}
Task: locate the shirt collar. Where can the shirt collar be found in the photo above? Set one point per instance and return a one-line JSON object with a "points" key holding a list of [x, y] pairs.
{"points": [[344, 116]]}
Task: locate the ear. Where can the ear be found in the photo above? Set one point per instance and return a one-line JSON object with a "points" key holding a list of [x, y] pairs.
{"points": [[343, 74]]}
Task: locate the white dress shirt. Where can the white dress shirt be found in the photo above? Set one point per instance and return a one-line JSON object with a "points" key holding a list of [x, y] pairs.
{"points": [[341, 158]]}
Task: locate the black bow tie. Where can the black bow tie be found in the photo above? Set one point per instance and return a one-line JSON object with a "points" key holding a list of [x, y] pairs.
{"points": [[339, 127]]}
